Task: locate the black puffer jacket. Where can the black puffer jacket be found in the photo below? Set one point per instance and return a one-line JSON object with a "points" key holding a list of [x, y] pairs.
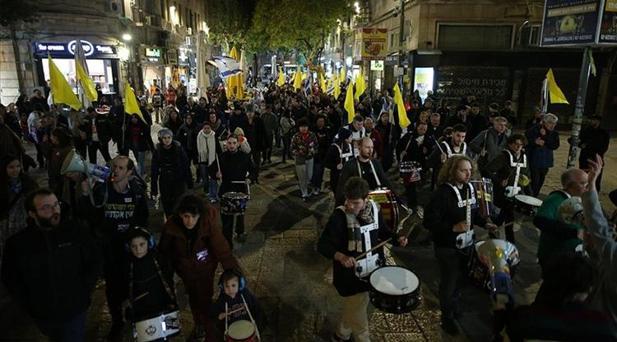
{"points": [[52, 272]]}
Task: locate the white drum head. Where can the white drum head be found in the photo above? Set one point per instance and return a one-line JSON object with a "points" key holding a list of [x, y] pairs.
{"points": [[394, 280], [241, 330], [529, 200]]}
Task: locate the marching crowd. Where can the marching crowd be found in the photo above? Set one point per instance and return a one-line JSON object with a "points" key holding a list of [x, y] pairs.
{"points": [[57, 241]]}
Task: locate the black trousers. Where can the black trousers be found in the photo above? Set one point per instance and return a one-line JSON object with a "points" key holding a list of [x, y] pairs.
{"points": [[411, 192], [452, 278], [95, 146], [506, 215], [537, 179], [171, 191], [228, 227]]}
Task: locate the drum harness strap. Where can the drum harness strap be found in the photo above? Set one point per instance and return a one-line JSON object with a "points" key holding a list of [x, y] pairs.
{"points": [[518, 167], [344, 156], [358, 233], [465, 239], [248, 311], [450, 153], [372, 169], [170, 293]]}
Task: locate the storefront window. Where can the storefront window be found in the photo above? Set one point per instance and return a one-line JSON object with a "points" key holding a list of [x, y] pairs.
{"points": [[100, 71]]}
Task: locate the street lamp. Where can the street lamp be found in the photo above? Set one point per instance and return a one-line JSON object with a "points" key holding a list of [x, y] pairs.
{"points": [[127, 37]]}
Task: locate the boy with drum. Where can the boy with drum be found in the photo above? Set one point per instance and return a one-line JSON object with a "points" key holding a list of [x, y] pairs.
{"points": [[510, 174], [353, 229], [235, 166], [451, 215], [236, 302], [413, 147], [150, 285]]}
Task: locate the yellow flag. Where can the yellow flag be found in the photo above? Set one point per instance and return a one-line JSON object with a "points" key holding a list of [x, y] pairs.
{"points": [[83, 76], [60, 88], [403, 120], [234, 85], [555, 93], [337, 87], [297, 80], [343, 75], [322, 83], [281, 79], [349, 103], [360, 85], [131, 106]]}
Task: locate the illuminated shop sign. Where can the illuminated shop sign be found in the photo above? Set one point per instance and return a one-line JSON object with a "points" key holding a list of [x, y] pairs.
{"points": [[67, 50]]}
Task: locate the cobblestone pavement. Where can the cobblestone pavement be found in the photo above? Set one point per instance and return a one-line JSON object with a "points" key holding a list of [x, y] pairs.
{"points": [[292, 281]]}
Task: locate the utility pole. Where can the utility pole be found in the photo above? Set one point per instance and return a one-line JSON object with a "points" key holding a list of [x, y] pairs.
{"points": [[401, 41], [579, 108]]}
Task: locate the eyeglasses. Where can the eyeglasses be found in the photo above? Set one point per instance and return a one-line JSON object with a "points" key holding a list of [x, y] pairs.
{"points": [[48, 207]]}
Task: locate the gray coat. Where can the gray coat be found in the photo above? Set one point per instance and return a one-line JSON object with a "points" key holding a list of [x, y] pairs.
{"points": [[491, 141], [602, 249]]}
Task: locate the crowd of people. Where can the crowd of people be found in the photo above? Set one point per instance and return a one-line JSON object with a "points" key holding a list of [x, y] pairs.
{"points": [[59, 236]]}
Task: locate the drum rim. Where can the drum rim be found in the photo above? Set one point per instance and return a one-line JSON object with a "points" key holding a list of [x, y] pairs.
{"points": [[395, 295], [241, 321], [522, 198]]}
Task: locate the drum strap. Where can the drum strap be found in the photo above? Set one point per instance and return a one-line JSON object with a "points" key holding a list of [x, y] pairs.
{"points": [[343, 156], [468, 200], [372, 169], [450, 152], [251, 317], [170, 293], [356, 233]]}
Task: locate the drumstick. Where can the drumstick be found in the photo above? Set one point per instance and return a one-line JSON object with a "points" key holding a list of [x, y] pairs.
{"points": [[234, 311], [141, 296], [381, 244]]}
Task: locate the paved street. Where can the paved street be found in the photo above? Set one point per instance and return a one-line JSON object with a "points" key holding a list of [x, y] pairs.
{"points": [[291, 279]]}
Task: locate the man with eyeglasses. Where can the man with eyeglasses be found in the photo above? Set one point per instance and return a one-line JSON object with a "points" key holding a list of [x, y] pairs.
{"points": [[51, 267]]}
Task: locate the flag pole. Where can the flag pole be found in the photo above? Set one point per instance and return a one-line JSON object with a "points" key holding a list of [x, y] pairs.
{"points": [[579, 108]]}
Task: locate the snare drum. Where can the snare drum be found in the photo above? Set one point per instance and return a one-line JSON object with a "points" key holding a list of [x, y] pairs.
{"points": [[158, 327], [526, 205], [388, 206], [233, 203], [394, 289], [410, 172], [241, 330]]}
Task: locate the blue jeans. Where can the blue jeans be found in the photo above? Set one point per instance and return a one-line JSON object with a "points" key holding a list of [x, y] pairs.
{"points": [[140, 156], [210, 184], [72, 330]]}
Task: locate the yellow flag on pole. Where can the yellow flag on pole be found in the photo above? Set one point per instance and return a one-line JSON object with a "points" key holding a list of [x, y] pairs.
{"points": [[403, 120], [297, 79], [322, 83], [60, 88], [349, 103], [337, 87], [343, 75], [555, 93], [83, 76], [360, 85], [131, 106], [281, 79]]}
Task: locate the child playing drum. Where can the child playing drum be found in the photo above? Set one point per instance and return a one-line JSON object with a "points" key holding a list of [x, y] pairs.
{"points": [[236, 302], [151, 295]]}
